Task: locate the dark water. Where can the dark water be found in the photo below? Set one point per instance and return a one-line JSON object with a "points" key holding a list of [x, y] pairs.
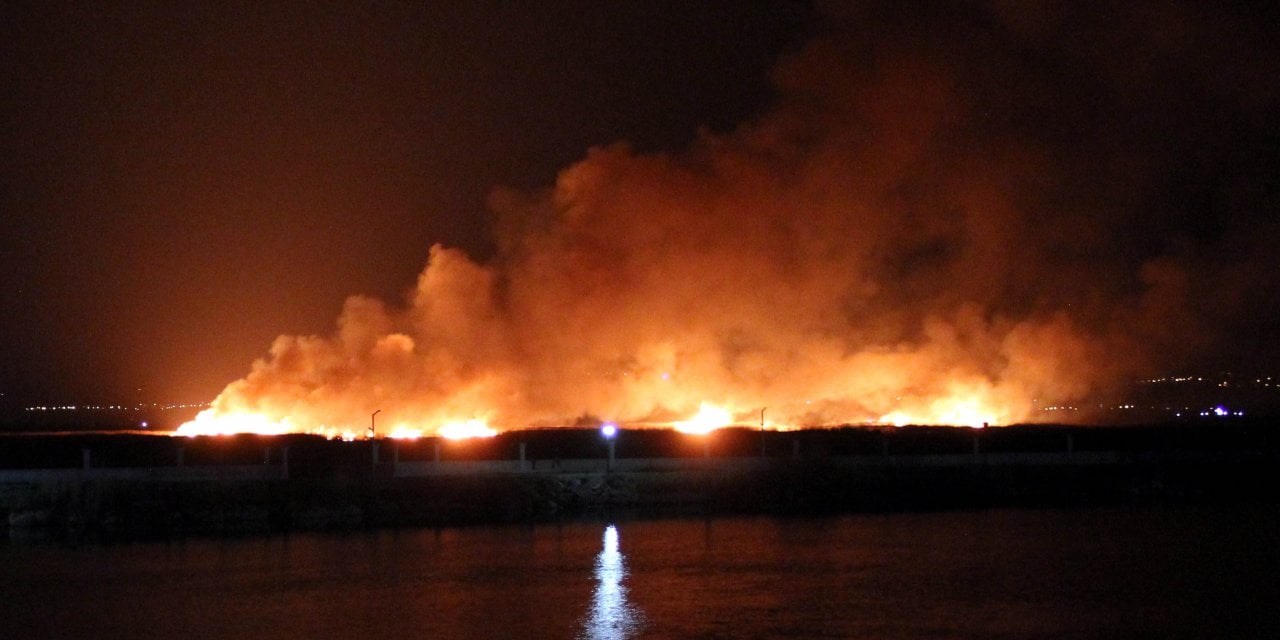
{"points": [[1186, 572]]}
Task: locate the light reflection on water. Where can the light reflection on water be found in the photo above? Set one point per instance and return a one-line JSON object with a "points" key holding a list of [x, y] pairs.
{"points": [[612, 616]]}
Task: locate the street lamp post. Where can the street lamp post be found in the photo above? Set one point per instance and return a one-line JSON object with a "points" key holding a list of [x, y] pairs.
{"points": [[372, 421]]}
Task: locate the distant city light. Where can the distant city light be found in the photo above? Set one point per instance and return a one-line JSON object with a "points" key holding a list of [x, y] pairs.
{"points": [[118, 407], [1221, 412]]}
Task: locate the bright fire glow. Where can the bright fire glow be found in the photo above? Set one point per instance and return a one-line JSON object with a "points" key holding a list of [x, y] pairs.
{"points": [[640, 284], [207, 423], [964, 407], [463, 429], [401, 432], [966, 412], [708, 419]]}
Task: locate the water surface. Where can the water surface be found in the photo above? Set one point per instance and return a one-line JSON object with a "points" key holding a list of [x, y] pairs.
{"points": [[1185, 572]]}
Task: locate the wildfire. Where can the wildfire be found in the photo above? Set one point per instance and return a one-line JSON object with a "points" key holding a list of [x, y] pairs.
{"points": [[969, 406], [463, 429], [209, 423], [956, 411], [708, 419], [976, 408], [402, 432], [853, 255]]}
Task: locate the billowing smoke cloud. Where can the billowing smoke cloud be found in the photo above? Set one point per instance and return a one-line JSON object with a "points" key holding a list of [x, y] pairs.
{"points": [[953, 211]]}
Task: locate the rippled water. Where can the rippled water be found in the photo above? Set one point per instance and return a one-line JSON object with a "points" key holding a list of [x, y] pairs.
{"points": [[1105, 573]]}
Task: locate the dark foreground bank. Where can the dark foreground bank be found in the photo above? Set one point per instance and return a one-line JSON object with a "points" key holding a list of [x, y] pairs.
{"points": [[105, 487]]}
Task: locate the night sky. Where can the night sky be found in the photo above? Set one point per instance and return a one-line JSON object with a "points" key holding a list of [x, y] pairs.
{"points": [[182, 184]]}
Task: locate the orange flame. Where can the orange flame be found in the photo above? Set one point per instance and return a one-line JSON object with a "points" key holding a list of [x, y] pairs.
{"points": [[464, 429], [211, 423], [708, 419]]}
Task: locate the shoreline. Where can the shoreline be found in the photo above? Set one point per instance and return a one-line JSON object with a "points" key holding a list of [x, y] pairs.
{"points": [[76, 506]]}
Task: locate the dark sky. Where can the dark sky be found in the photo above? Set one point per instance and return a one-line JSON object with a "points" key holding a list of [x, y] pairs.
{"points": [[182, 183]]}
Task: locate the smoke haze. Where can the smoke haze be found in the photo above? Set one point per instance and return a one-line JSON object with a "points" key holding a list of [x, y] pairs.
{"points": [[952, 212]]}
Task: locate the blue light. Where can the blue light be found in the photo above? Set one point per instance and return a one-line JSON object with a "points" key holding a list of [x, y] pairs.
{"points": [[609, 429]]}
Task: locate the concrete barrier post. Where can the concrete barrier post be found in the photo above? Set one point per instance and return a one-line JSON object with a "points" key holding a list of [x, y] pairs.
{"points": [[374, 454], [437, 452], [523, 467]]}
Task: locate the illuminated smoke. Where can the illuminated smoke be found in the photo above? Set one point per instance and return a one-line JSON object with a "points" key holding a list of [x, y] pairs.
{"points": [[937, 223]]}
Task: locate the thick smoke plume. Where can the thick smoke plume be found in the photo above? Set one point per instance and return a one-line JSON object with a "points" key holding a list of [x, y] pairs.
{"points": [[952, 212]]}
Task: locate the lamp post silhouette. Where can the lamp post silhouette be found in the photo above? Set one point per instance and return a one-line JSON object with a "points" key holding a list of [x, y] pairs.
{"points": [[372, 421]]}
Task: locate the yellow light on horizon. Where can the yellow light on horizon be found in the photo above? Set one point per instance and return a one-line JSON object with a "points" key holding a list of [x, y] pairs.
{"points": [[966, 412], [401, 432], [463, 429], [206, 423], [896, 418], [708, 419]]}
